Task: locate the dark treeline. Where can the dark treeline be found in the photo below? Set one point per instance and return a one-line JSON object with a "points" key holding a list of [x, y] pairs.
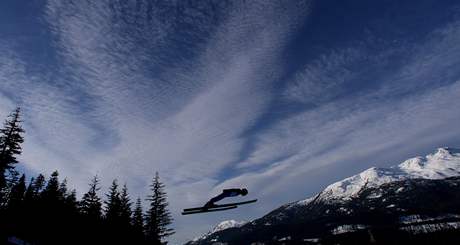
{"points": [[44, 211]]}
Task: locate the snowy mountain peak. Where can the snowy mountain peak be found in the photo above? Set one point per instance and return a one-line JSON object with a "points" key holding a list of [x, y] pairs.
{"points": [[445, 153], [228, 224], [445, 162], [413, 164], [442, 151]]}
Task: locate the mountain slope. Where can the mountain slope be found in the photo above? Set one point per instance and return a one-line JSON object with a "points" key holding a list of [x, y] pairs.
{"points": [[227, 224], [417, 200]]}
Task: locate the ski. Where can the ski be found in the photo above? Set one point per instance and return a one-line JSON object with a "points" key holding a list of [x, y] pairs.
{"points": [[202, 210], [222, 205]]}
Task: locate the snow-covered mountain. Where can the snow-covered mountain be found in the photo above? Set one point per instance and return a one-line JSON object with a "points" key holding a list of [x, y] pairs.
{"points": [[442, 164], [417, 197]]}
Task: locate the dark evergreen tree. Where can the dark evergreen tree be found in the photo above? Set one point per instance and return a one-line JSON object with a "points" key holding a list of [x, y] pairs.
{"points": [[26, 220], [30, 210], [51, 211], [71, 200], [29, 193], [138, 216], [10, 146], [10, 183], [14, 215], [113, 204], [138, 222], [69, 217], [158, 217], [51, 193], [63, 190], [91, 222], [16, 196], [125, 207], [91, 205], [38, 184], [118, 215]]}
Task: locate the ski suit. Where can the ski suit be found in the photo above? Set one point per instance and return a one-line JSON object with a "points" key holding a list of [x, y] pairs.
{"points": [[225, 193]]}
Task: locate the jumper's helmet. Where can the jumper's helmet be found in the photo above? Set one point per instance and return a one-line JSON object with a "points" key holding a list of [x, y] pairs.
{"points": [[244, 191]]}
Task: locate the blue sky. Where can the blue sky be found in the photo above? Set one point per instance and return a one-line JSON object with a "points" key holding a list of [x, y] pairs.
{"points": [[281, 97]]}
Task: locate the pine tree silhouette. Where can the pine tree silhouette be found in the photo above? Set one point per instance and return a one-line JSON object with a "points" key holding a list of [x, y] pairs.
{"points": [[91, 205], [30, 209], [51, 194], [16, 196], [29, 193], [112, 229], [112, 210], [71, 204], [10, 146], [158, 217], [52, 210], [71, 201], [91, 215], [71, 218], [63, 190], [14, 214], [38, 184], [125, 207], [138, 217], [138, 223]]}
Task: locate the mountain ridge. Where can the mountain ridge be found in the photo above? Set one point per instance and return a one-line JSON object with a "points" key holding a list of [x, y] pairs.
{"points": [[444, 163]]}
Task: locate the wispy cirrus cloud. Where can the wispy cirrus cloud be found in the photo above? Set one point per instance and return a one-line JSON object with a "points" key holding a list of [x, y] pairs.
{"points": [[123, 109], [412, 108], [222, 94]]}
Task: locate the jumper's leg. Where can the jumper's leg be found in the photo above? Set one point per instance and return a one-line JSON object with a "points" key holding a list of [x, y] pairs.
{"points": [[215, 199]]}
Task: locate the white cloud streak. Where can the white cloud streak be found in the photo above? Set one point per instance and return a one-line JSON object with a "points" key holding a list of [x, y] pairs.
{"points": [[188, 126], [345, 131], [120, 107]]}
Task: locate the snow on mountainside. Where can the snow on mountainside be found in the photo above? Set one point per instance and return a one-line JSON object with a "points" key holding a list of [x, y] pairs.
{"points": [[228, 224], [444, 163]]}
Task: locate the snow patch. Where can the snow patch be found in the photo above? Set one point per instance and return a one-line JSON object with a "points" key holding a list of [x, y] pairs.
{"points": [[228, 224], [428, 228], [299, 203], [220, 227], [416, 218], [305, 201], [348, 228], [288, 238], [374, 195]]}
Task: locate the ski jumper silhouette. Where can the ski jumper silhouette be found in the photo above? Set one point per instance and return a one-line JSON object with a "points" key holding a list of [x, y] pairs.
{"points": [[211, 205], [226, 193]]}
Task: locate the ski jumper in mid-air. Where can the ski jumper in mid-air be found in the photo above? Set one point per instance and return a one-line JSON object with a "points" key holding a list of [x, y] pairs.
{"points": [[226, 193], [211, 205]]}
